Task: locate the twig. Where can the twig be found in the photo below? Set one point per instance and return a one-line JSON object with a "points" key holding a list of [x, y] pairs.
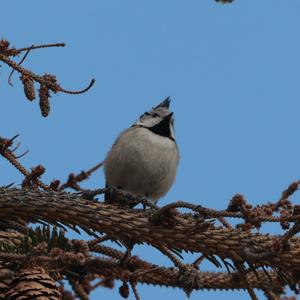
{"points": [[22, 155], [78, 289], [241, 270], [224, 222], [17, 51], [12, 71], [198, 261], [290, 233], [172, 257], [292, 188], [73, 180], [96, 241], [80, 91], [7, 153], [134, 289]]}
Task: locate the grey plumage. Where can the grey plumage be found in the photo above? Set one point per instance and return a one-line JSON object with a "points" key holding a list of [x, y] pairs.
{"points": [[144, 158]]}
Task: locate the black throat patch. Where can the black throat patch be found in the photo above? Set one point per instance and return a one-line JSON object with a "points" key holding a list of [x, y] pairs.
{"points": [[162, 128]]}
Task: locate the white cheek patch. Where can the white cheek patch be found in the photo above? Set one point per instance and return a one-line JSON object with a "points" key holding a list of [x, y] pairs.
{"points": [[149, 122]]}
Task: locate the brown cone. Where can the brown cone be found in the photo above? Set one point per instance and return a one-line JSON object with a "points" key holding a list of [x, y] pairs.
{"points": [[33, 284], [6, 276]]}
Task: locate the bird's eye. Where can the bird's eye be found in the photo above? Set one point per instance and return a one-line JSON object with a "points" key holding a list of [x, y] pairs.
{"points": [[154, 115]]}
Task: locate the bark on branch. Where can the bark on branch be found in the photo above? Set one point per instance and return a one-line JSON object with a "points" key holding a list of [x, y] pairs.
{"points": [[134, 225]]}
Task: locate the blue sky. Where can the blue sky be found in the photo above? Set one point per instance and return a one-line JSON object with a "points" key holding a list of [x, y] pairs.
{"points": [[232, 72]]}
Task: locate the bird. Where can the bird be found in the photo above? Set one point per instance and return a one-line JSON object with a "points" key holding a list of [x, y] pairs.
{"points": [[144, 158]]}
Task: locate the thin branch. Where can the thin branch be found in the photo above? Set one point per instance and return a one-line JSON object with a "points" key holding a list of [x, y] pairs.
{"points": [[73, 180], [48, 83], [5, 144], [17, 51], [135, 292], [289, 234], [80, 91], [21, 61]]}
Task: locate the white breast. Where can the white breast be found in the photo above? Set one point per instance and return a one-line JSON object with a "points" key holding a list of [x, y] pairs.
{"points": [[142, 162]]}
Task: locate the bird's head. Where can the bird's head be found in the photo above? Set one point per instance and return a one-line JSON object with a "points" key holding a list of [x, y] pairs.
{"points": [[159, 120]]}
